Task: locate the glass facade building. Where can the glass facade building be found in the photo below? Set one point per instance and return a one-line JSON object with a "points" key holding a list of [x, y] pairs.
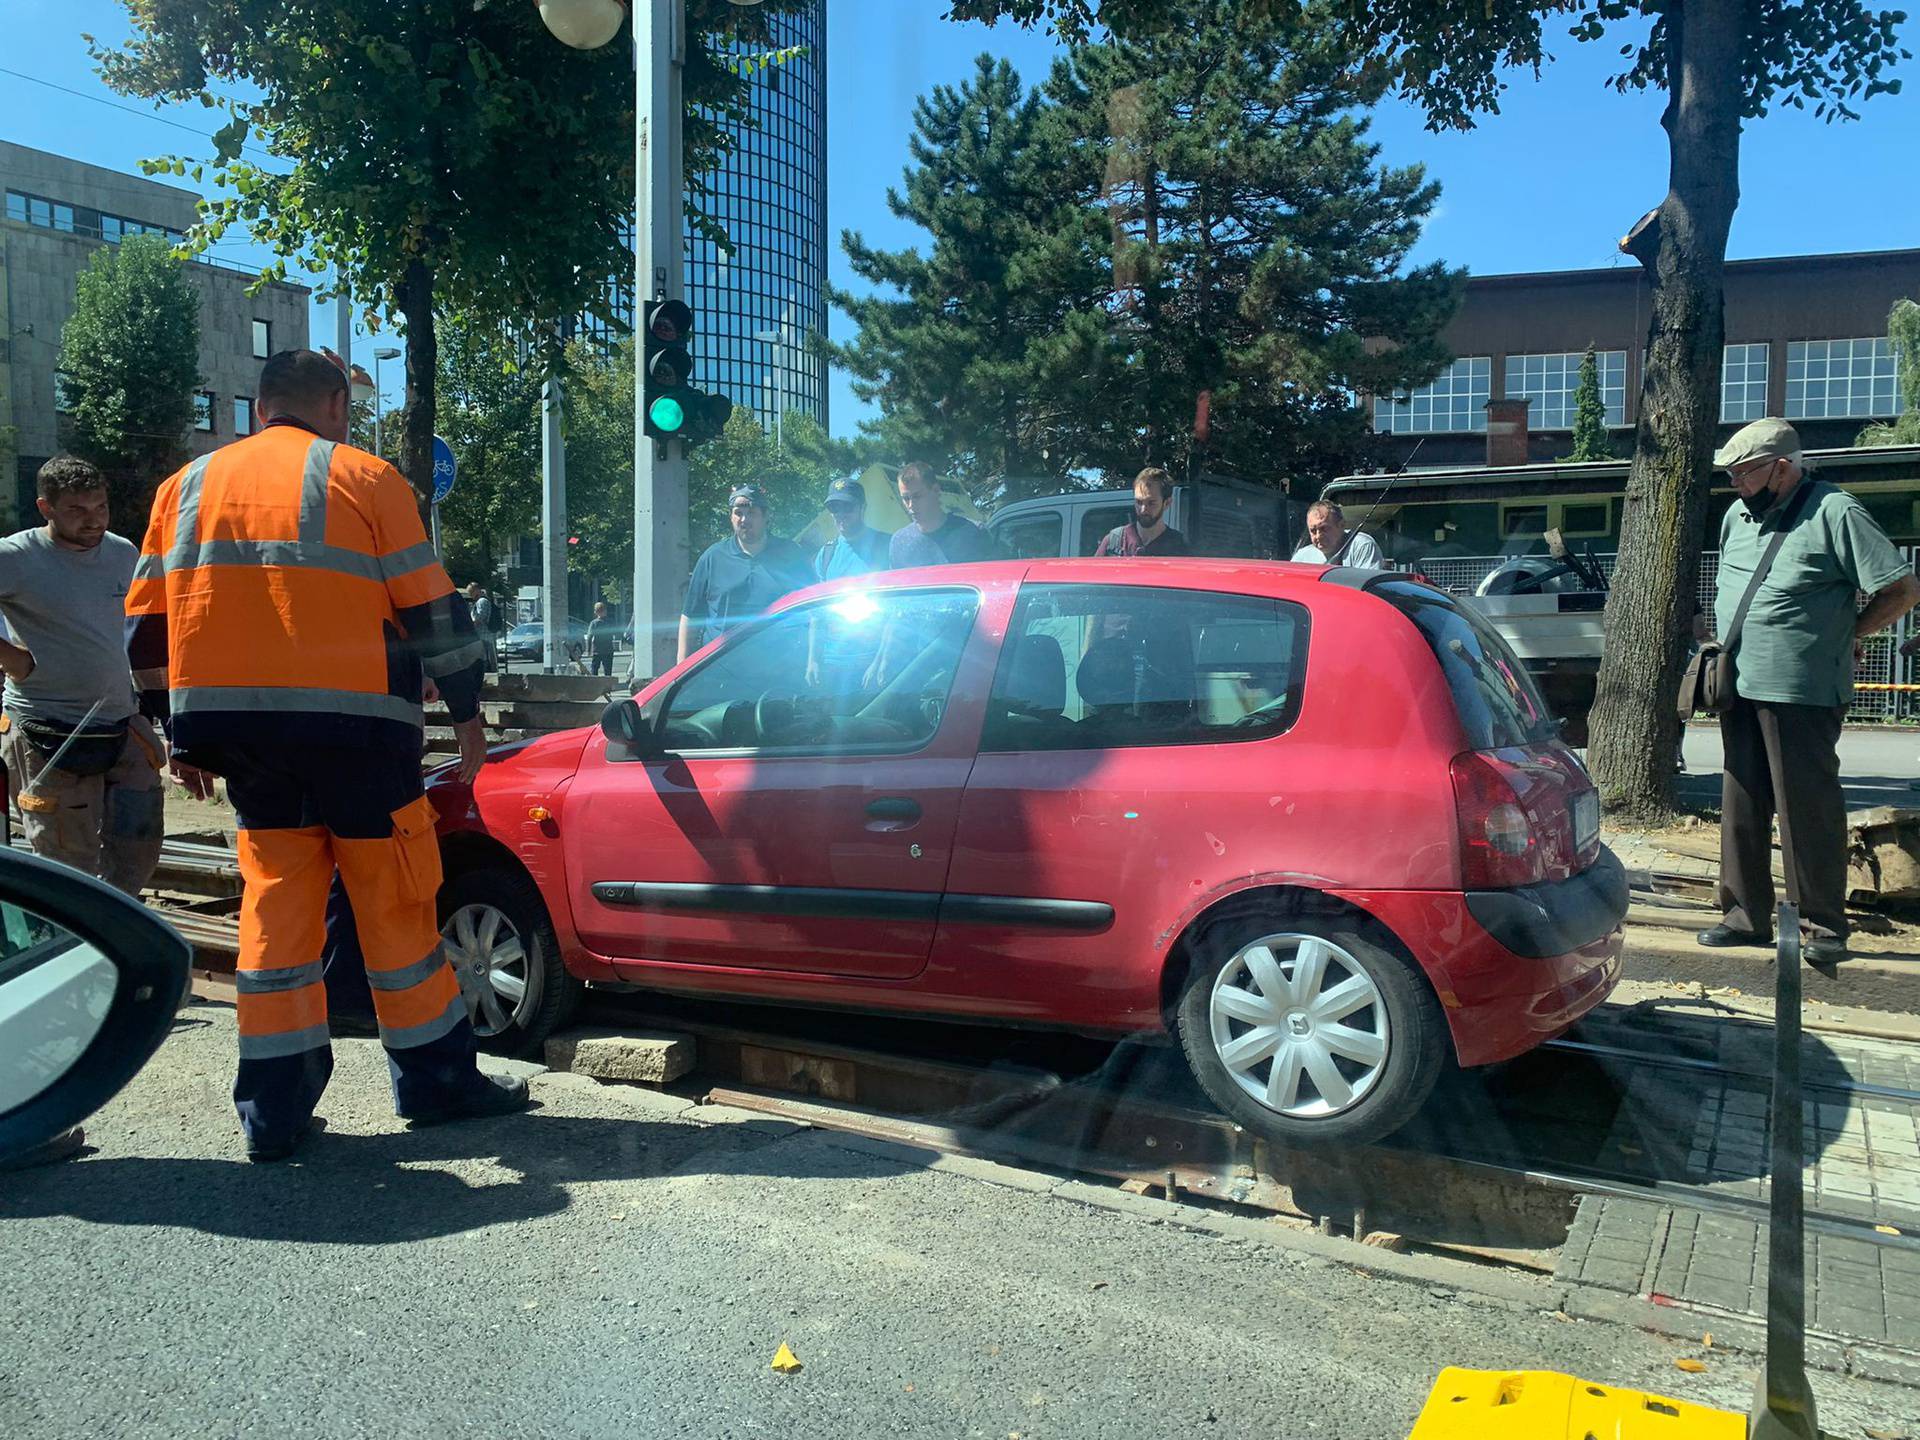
{"points": [[760, 307]]}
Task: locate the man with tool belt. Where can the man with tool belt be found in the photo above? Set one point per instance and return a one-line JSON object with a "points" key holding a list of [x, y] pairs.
{"points": [[289, 611], [82, 766], [1794, 554]]}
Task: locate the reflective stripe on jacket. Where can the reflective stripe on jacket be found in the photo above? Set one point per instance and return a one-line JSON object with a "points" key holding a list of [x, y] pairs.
{"points": [[299, 598]]}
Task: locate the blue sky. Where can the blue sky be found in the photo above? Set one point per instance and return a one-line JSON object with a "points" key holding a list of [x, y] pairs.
{"points": [[1547, 184]]}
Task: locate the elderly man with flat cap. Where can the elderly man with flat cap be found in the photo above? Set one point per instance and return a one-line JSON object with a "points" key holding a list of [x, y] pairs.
{"points": [[1793, 636]]}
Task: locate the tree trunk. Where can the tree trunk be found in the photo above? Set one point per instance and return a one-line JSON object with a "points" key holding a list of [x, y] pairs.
{"points": [[423, 371], [1635, 729]]}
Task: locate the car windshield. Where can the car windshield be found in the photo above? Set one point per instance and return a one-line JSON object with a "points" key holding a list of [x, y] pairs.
{"points": [[1010, 719]]}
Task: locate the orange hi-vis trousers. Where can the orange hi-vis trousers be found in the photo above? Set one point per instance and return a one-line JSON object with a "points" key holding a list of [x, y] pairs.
{"points": [[305, 813], [392, 883]]}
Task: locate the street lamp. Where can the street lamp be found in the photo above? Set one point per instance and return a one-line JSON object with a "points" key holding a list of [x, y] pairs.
{"points": [[659, 479], [383, 352]]}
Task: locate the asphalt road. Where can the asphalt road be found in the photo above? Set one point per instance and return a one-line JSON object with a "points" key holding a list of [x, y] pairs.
{"points": [[591, 1269], [1878, 767]]}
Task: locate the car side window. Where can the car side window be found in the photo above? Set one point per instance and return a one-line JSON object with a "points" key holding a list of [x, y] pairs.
{"points": [[1098, 521], [1106, 666], [1030, 537], [863, 672]]}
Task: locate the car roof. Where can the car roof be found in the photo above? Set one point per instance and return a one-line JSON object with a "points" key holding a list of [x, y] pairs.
{"points": [[1253, 577]]}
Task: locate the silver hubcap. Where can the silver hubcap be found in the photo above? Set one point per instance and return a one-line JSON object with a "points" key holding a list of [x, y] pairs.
{"points": [[496, 974], [1300, 1025]]}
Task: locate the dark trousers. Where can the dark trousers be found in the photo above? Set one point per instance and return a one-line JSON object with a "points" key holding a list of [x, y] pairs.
{"points": [[603, 665], [1783, 760]]}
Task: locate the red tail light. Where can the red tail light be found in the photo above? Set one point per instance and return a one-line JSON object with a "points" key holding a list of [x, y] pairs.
{"points": [[1498, 846], [1523, 817]]}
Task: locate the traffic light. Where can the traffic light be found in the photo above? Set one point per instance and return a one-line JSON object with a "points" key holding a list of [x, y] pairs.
{"points": [[675, 410]]}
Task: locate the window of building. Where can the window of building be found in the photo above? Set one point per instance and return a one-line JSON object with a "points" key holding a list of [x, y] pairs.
{"points": [[1743, 383], [1841, 380], [110, 228], [1096, 667], [754, 692], [242, 415], [1550, 381], [262, 339], [16, 207], [39, 212], [1575, 519], [63, 218], [1585, 518], [1456, 401], [203, 412]]}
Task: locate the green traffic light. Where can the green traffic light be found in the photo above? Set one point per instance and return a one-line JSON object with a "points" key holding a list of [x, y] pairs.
{"points": [[667, 414]]}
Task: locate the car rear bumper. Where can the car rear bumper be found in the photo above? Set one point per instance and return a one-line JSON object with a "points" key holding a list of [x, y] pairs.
{"points": [[1541, 920], [1502, 1001]]}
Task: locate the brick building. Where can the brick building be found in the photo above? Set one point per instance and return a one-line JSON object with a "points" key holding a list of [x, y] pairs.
{"points": [[1806, 337], [57, 214]]}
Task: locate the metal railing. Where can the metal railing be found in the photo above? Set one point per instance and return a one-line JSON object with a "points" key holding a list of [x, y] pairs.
{"points": [[1880, 662]]}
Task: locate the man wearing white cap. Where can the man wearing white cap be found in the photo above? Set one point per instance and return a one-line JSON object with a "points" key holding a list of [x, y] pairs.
{"points": [[1793, 638]]}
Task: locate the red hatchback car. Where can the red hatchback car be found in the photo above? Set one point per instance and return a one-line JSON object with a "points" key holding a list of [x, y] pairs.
{"points": [[1316, 824]]}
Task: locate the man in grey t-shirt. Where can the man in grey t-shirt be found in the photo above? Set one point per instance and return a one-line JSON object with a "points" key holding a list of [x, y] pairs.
{"points": [[63, 591]]}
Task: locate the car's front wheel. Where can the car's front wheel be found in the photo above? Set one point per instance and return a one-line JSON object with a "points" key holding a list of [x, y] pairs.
{"points": [[497, 936], [1306, 1031]]}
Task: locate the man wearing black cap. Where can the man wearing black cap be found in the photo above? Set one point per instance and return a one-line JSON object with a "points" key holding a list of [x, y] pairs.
{"points": [[739, 577], [856, 549]]}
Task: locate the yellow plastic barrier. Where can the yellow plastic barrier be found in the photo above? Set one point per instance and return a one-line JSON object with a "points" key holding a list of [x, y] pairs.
{"points": [[1543, 1405]]}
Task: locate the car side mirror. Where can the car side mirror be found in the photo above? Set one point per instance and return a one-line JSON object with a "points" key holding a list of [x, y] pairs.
{"points": [[90, 981], [627, 729]]}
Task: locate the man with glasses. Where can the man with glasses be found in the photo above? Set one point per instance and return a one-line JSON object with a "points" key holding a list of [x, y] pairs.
{"points": [[741, 576], [1794, 649]]}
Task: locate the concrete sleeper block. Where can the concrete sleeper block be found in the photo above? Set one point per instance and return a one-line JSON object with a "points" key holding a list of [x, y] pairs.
{"points": [[645, 1058]]}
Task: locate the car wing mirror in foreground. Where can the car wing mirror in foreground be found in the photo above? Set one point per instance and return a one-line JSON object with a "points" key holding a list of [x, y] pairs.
{"points": [[90, 981], [628, 732]]}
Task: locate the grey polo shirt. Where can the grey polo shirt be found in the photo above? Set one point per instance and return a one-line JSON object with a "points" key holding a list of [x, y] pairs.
{"points": [[1796, 647], [69, 607]]}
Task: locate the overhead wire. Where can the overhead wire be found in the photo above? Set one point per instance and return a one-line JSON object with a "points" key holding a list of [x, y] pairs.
{"points": [[127, 109]]}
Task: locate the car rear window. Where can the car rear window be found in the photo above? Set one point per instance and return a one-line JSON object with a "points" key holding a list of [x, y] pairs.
{"points": [[1495, 697], [1090, 667]]}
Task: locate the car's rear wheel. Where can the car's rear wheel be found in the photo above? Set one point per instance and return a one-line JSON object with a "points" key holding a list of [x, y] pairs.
{"points": [[499, 939], [1307, 1030]]}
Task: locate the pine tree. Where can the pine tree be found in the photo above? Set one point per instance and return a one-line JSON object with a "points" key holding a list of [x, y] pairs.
{"points": [[130, 365], [943, 340], [1198, 214], [1252, 244], [1589, 414]]}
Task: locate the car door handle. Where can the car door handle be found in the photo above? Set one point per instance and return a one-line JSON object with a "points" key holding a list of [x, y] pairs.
{"points": [[893, 807]]}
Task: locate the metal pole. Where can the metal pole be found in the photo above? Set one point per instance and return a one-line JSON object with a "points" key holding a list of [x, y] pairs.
{"points": [[343, 327], [379, 394], [660, 559], [553, 527], [1783, 1407]]}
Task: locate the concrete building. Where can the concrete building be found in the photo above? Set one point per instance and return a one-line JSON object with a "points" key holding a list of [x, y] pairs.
{"points": [[57, 215], [1806, 338]]}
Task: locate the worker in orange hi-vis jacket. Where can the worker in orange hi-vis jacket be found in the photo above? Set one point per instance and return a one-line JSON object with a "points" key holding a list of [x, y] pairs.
{"points": [[289, 614]]}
